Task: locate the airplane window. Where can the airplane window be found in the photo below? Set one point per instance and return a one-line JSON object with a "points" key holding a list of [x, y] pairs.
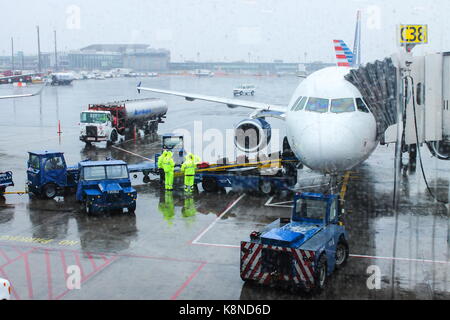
{"points": [[342, 105], [360, 104], [301, 104], [296, 103], [317, 105]]}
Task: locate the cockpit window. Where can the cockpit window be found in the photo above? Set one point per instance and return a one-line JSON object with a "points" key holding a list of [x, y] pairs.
{"points": [[300, 104], [296, 103], [342, 105], [317, 105], [361, 105]]}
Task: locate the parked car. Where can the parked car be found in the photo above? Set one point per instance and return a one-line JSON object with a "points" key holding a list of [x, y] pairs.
{"points": [[244, 89]]}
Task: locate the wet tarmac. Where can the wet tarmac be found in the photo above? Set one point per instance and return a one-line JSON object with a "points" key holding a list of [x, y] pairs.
{"points": [[182, 247]]}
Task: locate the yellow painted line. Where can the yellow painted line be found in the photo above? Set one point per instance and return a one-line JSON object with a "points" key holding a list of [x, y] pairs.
{"points": [[344, 185], [18, 192]]}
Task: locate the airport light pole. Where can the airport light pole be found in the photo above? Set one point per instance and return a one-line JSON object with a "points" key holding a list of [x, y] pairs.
{"points": [[12, 55], [39, 49]]}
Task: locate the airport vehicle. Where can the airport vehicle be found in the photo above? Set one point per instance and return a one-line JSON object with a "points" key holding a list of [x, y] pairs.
{"points": [[61, 79], [203, 73], [98, 185], [301, 253], [6, 181], [244, 89], [108, 121], [5, 289]]}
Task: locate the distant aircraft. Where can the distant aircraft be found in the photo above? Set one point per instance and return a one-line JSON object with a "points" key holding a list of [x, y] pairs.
{"points": [[344, 56]]}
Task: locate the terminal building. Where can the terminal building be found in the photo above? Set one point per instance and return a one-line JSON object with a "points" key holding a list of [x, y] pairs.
{"points": [[138, 57]]}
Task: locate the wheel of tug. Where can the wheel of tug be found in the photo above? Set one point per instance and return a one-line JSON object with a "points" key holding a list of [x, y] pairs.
{"points": [[2, 191], [320, 275], [342, 253], [266, 187], [146, 179], [253, 93], [210, 184], [49, 191]]}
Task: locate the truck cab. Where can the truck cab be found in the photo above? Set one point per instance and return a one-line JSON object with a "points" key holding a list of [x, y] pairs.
{"points": [[97, 126], [48, 175], [301, 252], [105, 185]]}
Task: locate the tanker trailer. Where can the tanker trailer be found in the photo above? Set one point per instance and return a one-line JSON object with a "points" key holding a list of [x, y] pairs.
{"points": [[115, 121]]}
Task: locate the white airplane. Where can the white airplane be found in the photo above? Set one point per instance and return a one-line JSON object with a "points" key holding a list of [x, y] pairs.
{"points": [[329, 126]]}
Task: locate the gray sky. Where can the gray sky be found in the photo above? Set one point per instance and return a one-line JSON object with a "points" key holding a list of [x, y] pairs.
{"points": [[222, 29]]}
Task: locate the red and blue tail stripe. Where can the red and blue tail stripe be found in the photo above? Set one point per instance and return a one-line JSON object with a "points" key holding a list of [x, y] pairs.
{"points": [[344, 55]]}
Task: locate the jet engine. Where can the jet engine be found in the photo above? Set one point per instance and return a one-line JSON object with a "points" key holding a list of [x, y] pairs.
{"points": [[251, 135]]}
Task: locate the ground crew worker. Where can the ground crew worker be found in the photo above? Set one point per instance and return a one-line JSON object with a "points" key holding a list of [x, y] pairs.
{"points": [[168, 166], [188, 167]]}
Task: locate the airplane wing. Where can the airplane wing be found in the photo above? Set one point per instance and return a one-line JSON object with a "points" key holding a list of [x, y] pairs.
{"points": [[231, 103], [23, 95]]}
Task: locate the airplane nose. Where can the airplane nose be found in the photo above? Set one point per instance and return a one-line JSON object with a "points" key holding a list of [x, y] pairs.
{"points": [[329, 148]]}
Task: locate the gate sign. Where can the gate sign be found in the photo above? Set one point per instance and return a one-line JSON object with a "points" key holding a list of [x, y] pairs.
{"points": [[413, 34]]}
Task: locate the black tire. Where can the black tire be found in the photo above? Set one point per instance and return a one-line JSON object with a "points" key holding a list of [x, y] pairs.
{"points": [[2, 190], [146, 179], [320, 274], [266, 187], [132, 208], [241, 93], [253, 93], [49, 191], [342, 253], [113, 139], [87, 208], [209, 184]]}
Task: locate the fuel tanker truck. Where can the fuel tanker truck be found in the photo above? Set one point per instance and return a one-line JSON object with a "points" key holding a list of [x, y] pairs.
{"points": [[115, 121]]}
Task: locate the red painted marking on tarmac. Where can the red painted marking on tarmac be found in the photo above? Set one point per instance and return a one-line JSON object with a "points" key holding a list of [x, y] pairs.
{"points": [[87, 277], [77, 259], [186, 283], [28, 274], [49, 275], [5, 255], [64, 264], [16, 258], [91, 259]]}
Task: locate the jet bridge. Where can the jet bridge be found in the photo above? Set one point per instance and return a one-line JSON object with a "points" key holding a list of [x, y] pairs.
{"points": [[426, 95]]}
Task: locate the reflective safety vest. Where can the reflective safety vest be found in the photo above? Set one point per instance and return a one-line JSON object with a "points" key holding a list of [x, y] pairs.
{"points": [[167, 163], [189, 167]]}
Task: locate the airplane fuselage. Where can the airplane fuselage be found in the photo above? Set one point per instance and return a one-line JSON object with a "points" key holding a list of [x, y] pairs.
{"points": [[329, 126]]}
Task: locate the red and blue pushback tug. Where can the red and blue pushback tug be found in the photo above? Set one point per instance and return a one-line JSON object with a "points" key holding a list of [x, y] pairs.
{"points": [[299, 253]]}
